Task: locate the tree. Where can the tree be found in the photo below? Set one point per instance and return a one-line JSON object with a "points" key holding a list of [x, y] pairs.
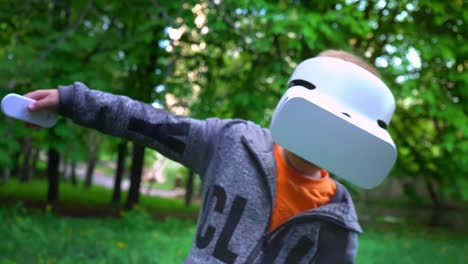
{"points": [[93, 147], [27, 151], [122, 153], [429, 125], [53, 162], [245, 51], [232, 59], [189, 187]]}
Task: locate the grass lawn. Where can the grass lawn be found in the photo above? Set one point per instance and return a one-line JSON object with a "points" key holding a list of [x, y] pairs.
{"points": [[37, 235], [408, 245], [41, 237], [95, 201]]}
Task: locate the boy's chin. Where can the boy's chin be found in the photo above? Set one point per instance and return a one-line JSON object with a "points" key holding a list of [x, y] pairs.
{"points": [[300, 159]]}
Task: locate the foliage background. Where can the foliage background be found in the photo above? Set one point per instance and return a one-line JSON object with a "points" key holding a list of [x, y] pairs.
{"points": [[232, 59]]}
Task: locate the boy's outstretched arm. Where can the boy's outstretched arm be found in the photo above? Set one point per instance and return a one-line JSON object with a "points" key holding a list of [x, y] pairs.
{"points": [[186, 140]]}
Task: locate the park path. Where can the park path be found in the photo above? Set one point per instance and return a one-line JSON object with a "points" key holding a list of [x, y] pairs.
{"points": [[107, 181]]}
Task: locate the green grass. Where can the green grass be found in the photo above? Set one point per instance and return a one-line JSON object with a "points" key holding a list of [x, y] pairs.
{"points": [[410, 245], [39, 235], [32, 237], [95, 198]]}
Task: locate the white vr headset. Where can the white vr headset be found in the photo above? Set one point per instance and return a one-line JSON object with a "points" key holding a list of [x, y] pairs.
{"points": [[335, 115]]}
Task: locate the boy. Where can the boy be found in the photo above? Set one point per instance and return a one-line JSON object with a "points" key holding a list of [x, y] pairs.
{"points": [[262, 203]]}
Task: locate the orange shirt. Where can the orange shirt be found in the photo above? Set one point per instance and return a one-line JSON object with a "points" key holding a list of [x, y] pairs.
{"points": [[296, 193]]}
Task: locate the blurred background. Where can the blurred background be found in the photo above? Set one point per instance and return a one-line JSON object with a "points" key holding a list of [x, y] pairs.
{"points": [[70, 194]]}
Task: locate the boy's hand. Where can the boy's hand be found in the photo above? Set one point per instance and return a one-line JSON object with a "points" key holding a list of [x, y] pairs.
{"points": [[45, 100]]}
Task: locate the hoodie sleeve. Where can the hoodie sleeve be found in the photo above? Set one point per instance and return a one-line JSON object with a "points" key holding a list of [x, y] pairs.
{"points": [[185, 140]]}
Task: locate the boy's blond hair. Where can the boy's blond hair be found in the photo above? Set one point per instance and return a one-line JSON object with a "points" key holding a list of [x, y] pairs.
{"points": [[344, 55]]}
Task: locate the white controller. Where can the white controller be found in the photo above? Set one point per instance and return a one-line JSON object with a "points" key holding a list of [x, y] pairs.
{"points": [[16, 106]]}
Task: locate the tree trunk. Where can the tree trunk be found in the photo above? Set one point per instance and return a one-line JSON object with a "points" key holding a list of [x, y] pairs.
{"points": [[7, 171], [53, 163], [73, 172], [6, 175], [90, 170], [15, 169], [35, 158], [122, 153], [189, 188], [436, 203], [93, 144], [26, 168], [64, 167], [135, 176]]}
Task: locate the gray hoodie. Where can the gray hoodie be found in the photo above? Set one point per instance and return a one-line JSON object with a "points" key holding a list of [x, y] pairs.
{"points": [[235, 161]]}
